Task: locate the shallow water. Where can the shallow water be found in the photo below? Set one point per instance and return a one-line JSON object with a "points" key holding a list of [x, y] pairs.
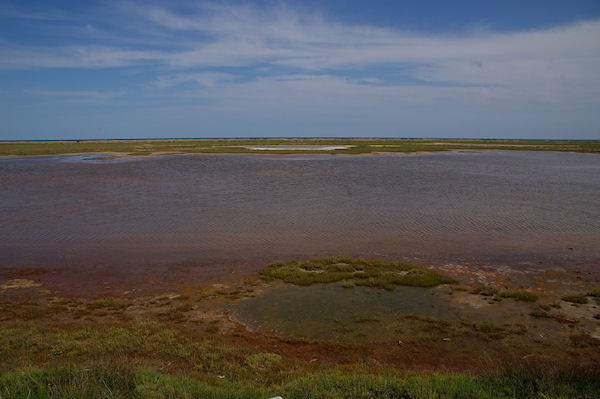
{"points": [[332, 312], [203, 217]]}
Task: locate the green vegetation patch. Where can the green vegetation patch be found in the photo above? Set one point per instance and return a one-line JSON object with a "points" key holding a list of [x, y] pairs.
{"points": [[146, 359], [114, 381], [523, 296], [543, 313], [540, 314], [363, 272], [519, 295], [579, 299], [263, 360]]}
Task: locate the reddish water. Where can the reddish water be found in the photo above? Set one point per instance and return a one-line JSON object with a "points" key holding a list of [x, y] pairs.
{"points": [[176, 219]]}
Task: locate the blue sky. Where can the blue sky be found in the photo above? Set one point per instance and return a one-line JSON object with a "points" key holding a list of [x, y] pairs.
{"points": [[126, 69]]}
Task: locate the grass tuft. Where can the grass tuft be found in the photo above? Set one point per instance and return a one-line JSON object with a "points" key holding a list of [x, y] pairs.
{"points": [[579, 299], [110, 381], [540, 314], [263, 360], [523, 296], [595, 293]]}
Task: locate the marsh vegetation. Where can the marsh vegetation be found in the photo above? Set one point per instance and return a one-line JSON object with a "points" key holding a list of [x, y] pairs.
{"points": [[362, 272]]}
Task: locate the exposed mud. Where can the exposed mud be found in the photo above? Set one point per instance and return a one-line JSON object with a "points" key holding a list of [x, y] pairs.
{"points": [[483, 330]]}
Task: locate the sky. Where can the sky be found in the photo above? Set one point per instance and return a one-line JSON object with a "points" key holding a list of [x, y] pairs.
{"points": [[312, 68]]}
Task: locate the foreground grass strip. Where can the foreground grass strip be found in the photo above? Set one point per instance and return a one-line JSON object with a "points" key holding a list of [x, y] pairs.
{"points": [[121, 382], [364, 272]]}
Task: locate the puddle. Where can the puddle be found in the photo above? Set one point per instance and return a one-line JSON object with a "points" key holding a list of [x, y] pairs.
{"points": [[335, 313]]}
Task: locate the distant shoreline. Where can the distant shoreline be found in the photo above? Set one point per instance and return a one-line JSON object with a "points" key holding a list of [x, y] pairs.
{"points": [[155, 147]]}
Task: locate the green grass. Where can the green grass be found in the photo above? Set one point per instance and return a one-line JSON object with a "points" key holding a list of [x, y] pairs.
{"points": [[263, 360], [519, 295], [360, 146], [147, 359], [523, 296], [540, 314], [579, 299], [114, 381], [363, 272]]}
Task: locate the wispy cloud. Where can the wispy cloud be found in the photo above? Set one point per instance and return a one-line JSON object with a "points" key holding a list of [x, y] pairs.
{"points": [[72, 96], [243, 36], [205, 79], [256, 59]]}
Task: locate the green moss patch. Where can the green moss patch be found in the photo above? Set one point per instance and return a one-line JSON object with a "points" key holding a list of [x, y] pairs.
{"points": [[363, 272]]}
